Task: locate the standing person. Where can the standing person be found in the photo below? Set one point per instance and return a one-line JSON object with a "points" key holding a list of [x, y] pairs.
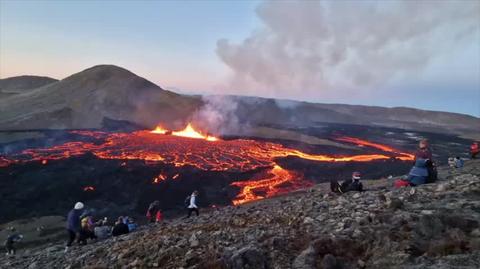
{"points": [[74, 223], [474, 150], [192, 207], [13, 238], [152, 211]]}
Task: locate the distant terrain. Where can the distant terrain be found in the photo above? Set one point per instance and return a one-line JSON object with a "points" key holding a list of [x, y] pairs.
{"points": [[87, 99]]}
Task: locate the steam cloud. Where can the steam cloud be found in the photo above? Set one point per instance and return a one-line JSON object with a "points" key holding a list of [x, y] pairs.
{"points": [[218, 114], [330, 49]]}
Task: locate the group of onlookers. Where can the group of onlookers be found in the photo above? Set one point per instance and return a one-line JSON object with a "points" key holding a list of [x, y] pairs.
{"points": [[82, 227]]}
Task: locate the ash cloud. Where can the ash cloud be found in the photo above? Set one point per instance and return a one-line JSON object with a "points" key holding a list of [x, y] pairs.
{"points": [[326, 49]]}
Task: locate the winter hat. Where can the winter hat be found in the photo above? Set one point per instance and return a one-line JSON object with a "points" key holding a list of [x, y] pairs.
{"points": [[78, 205], [356, 175]]}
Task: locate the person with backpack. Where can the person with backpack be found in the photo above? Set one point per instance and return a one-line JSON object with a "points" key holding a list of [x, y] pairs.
{"points": [[12, 238], [74, 224], [458, 162], [153, 211], [191, 203]]}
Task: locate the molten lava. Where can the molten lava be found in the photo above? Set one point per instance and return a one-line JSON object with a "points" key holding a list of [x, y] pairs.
{"points": [[269, 185], [181, 150], [187, 132]]}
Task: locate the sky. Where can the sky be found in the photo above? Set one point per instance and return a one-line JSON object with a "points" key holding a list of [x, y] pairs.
{"points": [[423, 54]]}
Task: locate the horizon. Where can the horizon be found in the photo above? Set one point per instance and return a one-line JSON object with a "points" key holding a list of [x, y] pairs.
{"points": [[252, 49]]}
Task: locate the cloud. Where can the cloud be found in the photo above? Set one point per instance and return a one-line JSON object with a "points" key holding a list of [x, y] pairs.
{"points": [[326, 49]]}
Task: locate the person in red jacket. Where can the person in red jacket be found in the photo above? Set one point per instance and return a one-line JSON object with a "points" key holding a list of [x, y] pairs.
{"points": [[474, 150]]}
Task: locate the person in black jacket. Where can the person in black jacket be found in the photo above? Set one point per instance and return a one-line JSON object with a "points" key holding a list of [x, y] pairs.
{"points": [[353, 184], [120, 227]]}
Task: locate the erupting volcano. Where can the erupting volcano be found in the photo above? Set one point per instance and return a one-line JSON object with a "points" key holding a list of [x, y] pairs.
{"points": [[191, 148]]}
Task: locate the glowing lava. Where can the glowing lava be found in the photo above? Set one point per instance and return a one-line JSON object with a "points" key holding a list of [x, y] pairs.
{"points": [[359, 142], [181, 150], [269, 185], [189, 132]]}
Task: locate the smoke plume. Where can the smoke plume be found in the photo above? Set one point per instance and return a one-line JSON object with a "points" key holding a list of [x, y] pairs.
{"points": [[219, 115], [326, 49]]}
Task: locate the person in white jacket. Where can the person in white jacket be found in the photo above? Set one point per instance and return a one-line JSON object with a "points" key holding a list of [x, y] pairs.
{"points": [[192, 207]]}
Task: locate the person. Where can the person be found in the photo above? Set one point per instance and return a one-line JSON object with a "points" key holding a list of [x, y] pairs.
{"points": [[86, 230], [120, 227], [458, 162], [419, 173], [73, 223], [12, 238], [192, 207], [102, 230], [353, 184], [152, 211], [424, 152], [132, 226], [451, 162], [474, 150]]}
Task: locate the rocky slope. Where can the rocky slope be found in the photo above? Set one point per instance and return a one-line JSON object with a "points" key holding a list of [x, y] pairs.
{"points": [[21, 84], [431, 226]]}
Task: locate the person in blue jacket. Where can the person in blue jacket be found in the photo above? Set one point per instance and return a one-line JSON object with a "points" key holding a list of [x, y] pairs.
{"points": [[74, 223], [419, 173]]}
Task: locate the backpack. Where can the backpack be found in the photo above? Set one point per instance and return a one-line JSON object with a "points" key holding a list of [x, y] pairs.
{"points": [[187, 201]]}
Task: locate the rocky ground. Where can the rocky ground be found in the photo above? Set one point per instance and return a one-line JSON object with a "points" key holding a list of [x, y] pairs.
{"points": [[431, 226]]}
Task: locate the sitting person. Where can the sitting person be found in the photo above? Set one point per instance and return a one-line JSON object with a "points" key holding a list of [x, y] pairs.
{"points": [[102, 230], [419, 173], [424, 152], [86, 230], [353, 184], [451, 162], [132, 226], [120, 227], [458, 162]]}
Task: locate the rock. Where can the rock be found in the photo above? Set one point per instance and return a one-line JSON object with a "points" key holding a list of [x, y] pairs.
{"points": [[394, 203], [248, 257], [194, 241], [329, 262], [357, 195], [33, 265], [307, 220], [361, 264], [305, 260]]}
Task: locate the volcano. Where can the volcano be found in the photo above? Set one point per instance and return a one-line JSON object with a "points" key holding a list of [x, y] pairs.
{"points": [[118, 141]]}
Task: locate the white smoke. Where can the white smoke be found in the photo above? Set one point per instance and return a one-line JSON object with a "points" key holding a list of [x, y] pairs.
{"points": [[218, 115], [312, 49]]}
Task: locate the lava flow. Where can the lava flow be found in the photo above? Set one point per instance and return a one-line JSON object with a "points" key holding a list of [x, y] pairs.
{"points": [[191, 148]]}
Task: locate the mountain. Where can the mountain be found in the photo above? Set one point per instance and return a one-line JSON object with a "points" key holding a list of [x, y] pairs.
{"points": [[107, 92], [20, 84], [87, 98]]}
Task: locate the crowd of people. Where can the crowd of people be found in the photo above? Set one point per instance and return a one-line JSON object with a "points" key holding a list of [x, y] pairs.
{"points": [[82, 227]]}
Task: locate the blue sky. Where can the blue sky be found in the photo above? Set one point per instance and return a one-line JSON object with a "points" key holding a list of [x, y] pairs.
{"points": [[258, 48]]}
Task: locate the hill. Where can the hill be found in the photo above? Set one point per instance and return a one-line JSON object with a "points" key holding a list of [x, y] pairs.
{"points": [[430, 226], [107, 92], [20, 84], [86, 99]]}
